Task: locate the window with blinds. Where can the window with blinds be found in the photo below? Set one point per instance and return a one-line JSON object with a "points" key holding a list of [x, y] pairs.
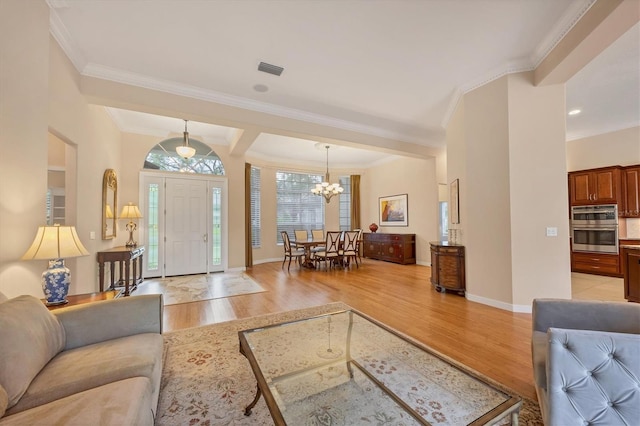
{"points": [[345, 203], [255, 207], [297, 207]]}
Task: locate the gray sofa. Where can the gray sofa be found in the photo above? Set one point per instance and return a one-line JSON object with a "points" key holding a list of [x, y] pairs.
{"points": [[93, 364], [586, 361]]}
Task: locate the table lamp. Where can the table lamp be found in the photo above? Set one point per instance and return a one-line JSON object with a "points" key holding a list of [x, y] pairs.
{"points": [[55, 243], [131, 211]]}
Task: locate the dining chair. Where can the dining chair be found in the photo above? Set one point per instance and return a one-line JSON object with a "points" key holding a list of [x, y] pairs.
{"points": [[350, 247], [289, 252], [359, 243], [301, 235], [318, 235], [331, 252]]}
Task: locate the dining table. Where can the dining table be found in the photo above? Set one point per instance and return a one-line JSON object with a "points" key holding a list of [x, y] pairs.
{"points": [[308, 245]]}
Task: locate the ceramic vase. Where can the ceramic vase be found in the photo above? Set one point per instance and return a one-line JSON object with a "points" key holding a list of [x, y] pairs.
{"points": [[55, 282], [373, 227]]}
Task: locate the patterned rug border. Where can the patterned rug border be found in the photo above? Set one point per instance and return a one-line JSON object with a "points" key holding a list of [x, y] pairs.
{"points": [[199, 333]]}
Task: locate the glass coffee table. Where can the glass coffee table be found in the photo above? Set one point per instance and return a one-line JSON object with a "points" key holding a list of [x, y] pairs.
{"points": [[346, 368]]}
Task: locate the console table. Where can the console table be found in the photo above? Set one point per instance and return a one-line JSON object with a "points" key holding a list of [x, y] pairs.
{"points": [[397, 248], [125, 256]]}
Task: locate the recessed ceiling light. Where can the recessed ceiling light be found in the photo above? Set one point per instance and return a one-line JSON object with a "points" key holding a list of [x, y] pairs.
{"points": [[575, 112], [260, 88]]}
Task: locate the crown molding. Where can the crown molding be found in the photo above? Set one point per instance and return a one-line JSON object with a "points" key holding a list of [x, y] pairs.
{"points": [[63, 38], [574, 13]]}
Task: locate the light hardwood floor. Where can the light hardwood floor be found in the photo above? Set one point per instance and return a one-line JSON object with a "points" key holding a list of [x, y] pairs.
{"points": [[492, 341]]}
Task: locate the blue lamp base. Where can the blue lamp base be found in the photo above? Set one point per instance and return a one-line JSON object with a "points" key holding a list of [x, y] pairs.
{"points": [[55, 283]]}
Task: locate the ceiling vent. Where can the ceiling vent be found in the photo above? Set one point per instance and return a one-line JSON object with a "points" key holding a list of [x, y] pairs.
{"points": [[270, 69]]}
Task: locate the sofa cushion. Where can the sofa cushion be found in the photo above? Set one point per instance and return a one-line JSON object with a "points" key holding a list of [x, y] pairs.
{"points": [[4, 401], [29, 337], [122, 403], [3, 298], [87, 367]]}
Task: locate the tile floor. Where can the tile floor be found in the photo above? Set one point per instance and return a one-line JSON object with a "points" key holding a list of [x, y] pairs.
{"points": [[597, 287]]}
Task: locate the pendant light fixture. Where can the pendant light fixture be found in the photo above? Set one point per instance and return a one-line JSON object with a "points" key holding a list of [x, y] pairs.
{"points": [[185, 151], [326, 189]]}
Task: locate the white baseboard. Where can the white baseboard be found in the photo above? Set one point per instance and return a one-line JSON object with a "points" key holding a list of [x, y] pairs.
{"points": [[422, 263], [261, 261], [498, 304]]}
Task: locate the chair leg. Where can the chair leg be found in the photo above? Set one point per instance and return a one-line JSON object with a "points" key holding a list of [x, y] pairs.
{"points": [[283, 260], [289, 265]]}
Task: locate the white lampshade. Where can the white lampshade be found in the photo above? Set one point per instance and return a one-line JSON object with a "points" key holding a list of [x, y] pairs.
{"points": [[130, 211], [55, 242]]}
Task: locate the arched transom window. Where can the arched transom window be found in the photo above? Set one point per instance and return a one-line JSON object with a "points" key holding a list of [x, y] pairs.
{"points": [[164, 157]]}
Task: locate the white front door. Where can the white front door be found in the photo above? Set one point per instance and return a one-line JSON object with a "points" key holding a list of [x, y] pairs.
{"points": [[184, 224], [186, 227]]}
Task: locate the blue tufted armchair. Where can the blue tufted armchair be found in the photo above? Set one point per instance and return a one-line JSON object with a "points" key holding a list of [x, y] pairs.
{"points": [[586, 361]]}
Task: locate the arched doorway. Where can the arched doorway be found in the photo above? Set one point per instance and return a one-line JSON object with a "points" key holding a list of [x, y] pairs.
{"points": [[184, 204]]}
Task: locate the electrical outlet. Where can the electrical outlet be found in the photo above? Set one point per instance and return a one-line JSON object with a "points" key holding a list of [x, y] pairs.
{"points": [[92, 235]]}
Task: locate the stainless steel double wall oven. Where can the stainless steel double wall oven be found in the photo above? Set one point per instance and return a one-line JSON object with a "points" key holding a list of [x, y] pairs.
{"points": [[595, 228]]}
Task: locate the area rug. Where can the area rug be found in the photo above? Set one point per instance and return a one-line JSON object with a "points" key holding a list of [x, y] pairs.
{"points": [[192, 288], [206, 381]]}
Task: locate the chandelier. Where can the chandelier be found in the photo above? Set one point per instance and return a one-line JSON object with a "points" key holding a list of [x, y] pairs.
{"points": [[185, 150], [326, 189]]}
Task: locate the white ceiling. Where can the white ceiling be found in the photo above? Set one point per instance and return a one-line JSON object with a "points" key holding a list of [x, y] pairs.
{"points": [[392, 69]]}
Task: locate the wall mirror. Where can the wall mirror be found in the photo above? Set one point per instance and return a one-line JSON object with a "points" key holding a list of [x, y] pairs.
{"points": [[109, 204]]}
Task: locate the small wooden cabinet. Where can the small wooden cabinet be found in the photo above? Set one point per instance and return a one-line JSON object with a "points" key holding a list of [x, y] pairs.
{"points": [[447, 267], [595, 186], [631, 271], [630, 205], [397, 248]]}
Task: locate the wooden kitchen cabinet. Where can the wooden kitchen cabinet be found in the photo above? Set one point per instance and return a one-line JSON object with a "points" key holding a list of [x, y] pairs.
{"points": [[397, 248], [630, 202], [447, 267], [595, 186], [596, 263], [631, 271]]}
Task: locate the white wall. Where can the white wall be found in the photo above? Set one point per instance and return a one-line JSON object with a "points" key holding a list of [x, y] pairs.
{"points": [[499, 136], [24, 72], [417, 179], [616, 148]]}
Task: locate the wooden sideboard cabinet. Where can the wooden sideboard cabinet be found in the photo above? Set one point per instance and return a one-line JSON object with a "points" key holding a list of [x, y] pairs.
{"points": [[447, 267], [397, 248], [631, 271]]}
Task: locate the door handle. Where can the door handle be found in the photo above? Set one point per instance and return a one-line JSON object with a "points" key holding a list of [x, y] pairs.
{"points": [[205, 237]]}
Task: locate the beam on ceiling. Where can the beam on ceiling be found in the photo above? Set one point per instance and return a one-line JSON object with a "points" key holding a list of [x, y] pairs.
{"points": [[600, 26]]}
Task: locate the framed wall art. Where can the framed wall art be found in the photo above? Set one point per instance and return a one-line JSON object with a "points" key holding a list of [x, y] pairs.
{"points": [[393, 210], [454, 201]]}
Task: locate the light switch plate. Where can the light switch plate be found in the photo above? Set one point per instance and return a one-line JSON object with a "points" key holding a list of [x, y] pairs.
{"points": [[552, 231]]}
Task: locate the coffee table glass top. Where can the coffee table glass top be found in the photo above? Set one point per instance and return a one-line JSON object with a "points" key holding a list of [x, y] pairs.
{"points": [[345, 368]]}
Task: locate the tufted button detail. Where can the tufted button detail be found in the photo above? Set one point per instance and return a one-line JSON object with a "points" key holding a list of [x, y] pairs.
{"points": [[589, 373], [564, 345], [610, 355], [564, 389], [610, 404]]}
